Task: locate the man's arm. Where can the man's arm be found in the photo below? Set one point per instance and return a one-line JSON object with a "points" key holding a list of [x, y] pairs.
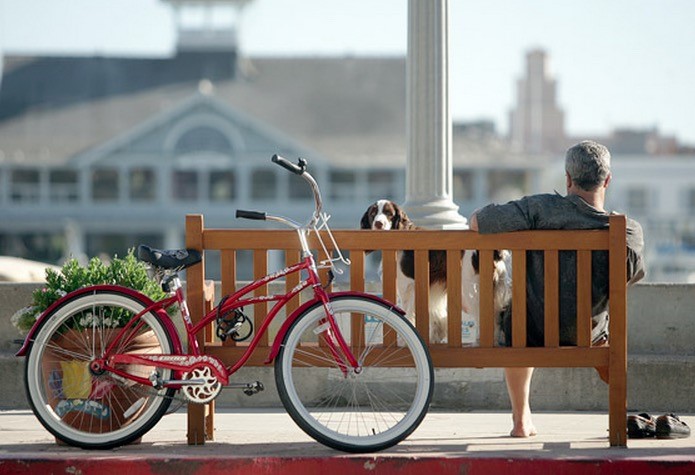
{"points": [[473, 221], [494, 218], [635, 252]]}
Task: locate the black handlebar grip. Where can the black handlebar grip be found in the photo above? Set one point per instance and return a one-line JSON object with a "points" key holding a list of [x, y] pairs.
{"points": [[240, 213], [286, 164]]}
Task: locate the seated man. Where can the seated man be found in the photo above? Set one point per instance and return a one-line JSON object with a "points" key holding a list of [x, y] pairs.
{"points": [[587, 171]]}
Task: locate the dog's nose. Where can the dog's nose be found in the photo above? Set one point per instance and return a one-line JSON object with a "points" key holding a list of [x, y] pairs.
{"points": [[378, 224]]}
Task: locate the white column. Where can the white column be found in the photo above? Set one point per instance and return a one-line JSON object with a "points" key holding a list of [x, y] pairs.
{"points": [[75, 241], [429, 174]]}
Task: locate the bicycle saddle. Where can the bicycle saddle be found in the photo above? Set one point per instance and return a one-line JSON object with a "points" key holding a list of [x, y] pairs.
{"points": [[169, 259]]}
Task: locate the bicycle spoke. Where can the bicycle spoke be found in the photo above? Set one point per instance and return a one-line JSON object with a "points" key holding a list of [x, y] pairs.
{"points": [[88, 409], [356, 409]]}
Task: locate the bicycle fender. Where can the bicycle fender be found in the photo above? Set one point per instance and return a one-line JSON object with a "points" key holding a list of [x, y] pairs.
{"points": [[141, 298], [280, 337]]}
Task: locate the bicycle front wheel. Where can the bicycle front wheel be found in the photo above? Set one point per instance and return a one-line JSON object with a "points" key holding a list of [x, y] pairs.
{"points": [[365, 409], [88, 409]]}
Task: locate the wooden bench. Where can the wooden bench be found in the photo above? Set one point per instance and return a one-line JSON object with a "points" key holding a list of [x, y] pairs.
{"points": [[451, 354]]}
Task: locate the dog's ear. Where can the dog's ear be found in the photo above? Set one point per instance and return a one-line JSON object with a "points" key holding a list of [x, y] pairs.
{"points": [[475, 261], [364, 223], [400, 220]]}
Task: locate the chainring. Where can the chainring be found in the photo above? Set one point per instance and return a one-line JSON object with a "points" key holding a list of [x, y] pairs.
{"points": [[201, 393]]}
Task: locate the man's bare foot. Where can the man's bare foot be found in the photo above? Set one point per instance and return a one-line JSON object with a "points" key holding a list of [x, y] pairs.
{"points": [[523, 430]]}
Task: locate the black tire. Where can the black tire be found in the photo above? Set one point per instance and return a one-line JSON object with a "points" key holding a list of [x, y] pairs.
{"points": [[361, 411], [87, 410]]}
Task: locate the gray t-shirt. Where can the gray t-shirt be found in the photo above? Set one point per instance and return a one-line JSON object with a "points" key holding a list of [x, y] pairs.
{"points": [[553, 211]]}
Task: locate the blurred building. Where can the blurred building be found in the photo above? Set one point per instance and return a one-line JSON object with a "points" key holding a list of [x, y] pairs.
{"points": [[536, 124], [660, 193], [98, 154]]}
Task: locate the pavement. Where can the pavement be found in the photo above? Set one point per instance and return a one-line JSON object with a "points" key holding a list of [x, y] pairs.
{"points": [[267, 441]]}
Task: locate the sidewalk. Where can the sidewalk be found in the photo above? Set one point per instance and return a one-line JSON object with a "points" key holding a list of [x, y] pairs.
{"points": [[268, 441]]}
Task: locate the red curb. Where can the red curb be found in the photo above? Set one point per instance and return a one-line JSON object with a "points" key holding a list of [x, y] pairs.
{"points": [[340, 466]]}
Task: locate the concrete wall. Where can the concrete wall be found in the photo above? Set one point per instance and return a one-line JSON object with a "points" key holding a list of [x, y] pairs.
{"points": [[661, 364]]}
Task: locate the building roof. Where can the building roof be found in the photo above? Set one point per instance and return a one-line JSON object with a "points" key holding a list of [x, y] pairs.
{"points": [[350, 110]]}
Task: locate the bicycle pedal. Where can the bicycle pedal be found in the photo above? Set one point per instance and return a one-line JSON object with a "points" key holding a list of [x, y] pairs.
{"points": [[253, 388]]}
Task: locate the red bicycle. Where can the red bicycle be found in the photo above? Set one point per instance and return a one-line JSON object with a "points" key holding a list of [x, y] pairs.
{"points": [[105, 362]]}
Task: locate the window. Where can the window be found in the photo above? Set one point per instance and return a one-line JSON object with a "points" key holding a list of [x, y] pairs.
{"points": [[39, 246], [143, 185], [691, 201], [637, 200], [463, 186], [343, 185], [505, 185], [111, 244], [222, 186], [263, 185], [25, 186], [688, 239], [63, 186], [203, 139], [105, 184], [299, 189], [184, 186], [380, 184]]}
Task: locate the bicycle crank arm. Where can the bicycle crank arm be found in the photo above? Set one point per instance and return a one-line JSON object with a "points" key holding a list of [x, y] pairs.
{"points": [[249, 388]]}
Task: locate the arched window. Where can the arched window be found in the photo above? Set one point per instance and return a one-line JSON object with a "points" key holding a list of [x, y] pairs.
{"points": [[203, 139]]}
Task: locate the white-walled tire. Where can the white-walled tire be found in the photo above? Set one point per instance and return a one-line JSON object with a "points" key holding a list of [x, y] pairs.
{"points": [[364, 411], [79, 407]]}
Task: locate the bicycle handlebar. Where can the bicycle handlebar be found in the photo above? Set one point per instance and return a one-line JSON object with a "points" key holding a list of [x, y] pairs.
{"points": [[240, 213], [299, 169], [316, 217], [286, 164]]}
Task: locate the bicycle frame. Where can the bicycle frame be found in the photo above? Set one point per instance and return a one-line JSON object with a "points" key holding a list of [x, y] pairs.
{"points": [[236, 301], [181, 363], [336, 342]]}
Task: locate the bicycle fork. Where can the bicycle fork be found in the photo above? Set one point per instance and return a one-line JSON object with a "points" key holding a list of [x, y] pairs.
{"points": [[338, 347]]}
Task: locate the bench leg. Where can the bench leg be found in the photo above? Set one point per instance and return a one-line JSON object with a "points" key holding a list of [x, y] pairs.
{"points": [[196, 424], [201, 417], [617, 407], [210, 421]]}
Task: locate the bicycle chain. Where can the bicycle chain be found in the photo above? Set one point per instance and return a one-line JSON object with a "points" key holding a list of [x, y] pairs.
{"points": [[147, 391]]}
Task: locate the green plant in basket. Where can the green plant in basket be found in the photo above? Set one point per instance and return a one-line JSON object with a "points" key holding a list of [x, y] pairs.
{"points": [[127, 272]]}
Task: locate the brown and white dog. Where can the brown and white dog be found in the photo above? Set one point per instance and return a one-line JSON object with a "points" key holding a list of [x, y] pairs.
{"points": [[386, 215]]}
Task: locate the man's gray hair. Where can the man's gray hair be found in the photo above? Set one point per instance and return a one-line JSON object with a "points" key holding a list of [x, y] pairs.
{"points": [[588, 164]]}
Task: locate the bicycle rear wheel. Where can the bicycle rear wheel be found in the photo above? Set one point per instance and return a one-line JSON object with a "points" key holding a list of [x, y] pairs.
{"points": [[87, 409], [363, 410]]}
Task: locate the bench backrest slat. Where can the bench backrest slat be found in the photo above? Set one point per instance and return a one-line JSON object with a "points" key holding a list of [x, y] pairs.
{"points": [[519, 298], [584, 298], [454, 294], [551, 274]]}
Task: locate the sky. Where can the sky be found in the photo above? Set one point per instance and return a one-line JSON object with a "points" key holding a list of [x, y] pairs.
{"points": [[618, 63]]}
